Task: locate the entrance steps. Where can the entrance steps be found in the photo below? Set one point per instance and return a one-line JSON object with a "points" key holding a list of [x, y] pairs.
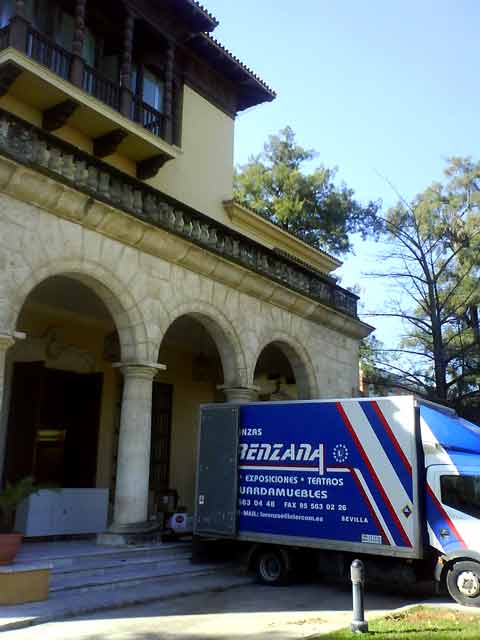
{"points": [[86, 578]]}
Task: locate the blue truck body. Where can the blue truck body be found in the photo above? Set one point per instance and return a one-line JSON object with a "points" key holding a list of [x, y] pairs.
{"points": [[392, 476]]}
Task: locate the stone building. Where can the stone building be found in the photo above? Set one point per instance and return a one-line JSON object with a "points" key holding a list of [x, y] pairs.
{"points": [[132, 287]]}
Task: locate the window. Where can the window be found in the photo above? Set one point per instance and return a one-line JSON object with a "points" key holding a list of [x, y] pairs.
{"points": [[462, 493], [148, 86], [89, 47], [153, 90], [6, 12], [64, 29]]}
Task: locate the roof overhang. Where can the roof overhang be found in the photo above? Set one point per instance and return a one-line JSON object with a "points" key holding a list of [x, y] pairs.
{"points": [[193, 13], [251, 89], [273, 236]]}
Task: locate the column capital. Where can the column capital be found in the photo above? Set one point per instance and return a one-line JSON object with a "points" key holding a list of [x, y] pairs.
{"points": [[140, 369], [7, 340], [239, 394]]}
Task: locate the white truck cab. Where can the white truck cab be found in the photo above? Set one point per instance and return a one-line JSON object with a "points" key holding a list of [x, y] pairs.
{"points": [[452, 460]]}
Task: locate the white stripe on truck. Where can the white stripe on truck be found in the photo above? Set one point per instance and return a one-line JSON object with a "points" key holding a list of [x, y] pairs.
{"points": [[379, 460]]}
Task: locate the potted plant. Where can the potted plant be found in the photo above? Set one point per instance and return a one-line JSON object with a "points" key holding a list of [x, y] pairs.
{"points": [[10, 498]]}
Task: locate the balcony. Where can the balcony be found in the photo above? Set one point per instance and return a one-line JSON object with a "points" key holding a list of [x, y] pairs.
{"points": [[41, 49], [56, 84], [300, 284], [148, 117], [101, 88]]}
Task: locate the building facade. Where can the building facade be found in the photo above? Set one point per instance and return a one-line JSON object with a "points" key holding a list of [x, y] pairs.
{"points": [[132, 287]]}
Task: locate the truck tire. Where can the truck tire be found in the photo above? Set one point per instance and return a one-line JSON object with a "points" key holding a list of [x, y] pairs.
{"points": [[271, 567], [463, 583]]}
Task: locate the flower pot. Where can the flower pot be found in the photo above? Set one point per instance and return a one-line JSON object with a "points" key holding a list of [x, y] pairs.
{"points": [[9, 546]]}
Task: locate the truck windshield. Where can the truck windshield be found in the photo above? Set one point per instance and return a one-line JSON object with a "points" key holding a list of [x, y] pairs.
{"points": [[462, 493]]}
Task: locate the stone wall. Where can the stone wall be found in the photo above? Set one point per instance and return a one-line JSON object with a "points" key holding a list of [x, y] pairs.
{"points": [[145, 294]]}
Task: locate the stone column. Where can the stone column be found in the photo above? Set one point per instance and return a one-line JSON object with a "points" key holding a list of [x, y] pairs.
{"points": [[6, 342], [133, 462], [78, 64], [240, 394]]}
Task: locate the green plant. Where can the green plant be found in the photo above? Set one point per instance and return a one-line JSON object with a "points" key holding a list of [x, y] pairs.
{"points": [[10, 498]]}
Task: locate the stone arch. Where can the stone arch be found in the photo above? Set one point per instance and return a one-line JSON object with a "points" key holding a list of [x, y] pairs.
{"points": [[299, 359], [109, 288], [223, 334]]}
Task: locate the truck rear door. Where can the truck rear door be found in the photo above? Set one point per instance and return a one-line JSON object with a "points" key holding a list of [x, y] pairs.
{"points": [[217, 475]]}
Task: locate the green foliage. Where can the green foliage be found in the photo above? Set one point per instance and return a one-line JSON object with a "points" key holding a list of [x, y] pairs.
{"points": [[434, 262], [10, 498], [368, 352], [309, 205], [423, 623]]}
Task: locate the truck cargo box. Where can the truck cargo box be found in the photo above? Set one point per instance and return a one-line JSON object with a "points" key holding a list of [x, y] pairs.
{"points": [[339, 474]]}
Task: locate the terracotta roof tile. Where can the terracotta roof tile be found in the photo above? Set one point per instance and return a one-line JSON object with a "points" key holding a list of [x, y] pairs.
{"points": [[204, 10], [234, 58]]}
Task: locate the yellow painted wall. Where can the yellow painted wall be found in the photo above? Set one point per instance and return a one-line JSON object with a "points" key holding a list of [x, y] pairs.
{"points": [[67, 133], [187, 397], [202, 176]]}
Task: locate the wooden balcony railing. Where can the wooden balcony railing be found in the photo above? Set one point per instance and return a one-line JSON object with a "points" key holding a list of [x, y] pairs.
{"points": [[148, 117], [51, 55], [101, 87], [45, 51]]}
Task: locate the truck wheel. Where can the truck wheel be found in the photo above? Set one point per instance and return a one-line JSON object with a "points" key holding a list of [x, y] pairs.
{"points": [[463, 583], [271, 567]]}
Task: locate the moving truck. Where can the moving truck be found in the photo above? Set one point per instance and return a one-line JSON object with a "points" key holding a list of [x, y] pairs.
{"points": [[395, 481]]}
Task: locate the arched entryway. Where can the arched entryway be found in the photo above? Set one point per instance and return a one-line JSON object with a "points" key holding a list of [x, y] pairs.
{"points": [[200, 357], [62, 394], [282, 373]]}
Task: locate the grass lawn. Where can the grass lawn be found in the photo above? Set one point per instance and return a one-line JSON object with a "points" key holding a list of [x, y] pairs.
{"points": [[421, 623]]}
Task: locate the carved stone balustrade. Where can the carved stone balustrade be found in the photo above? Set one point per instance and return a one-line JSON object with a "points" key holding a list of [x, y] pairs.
{"points": [[45, 153]]}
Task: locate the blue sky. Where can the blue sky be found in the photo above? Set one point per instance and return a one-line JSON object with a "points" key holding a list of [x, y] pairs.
{"points": [[378, 87]]}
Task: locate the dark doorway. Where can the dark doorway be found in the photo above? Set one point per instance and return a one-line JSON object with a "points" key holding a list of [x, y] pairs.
{"points": [[53, 426], [161, 435]]}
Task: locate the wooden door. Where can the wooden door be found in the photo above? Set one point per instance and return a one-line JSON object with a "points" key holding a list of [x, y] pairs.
{"points": [[161, 435], [50, 399], [81, 446], [24, 413]]}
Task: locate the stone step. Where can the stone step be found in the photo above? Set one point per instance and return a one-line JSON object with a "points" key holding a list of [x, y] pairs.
{"points": [[99, 563], [128, 575], [65, 557], [76, 603], [104, 565]]}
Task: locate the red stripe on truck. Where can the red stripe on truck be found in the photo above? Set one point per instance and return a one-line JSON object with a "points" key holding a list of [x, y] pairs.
{"points": [[371, 470], [370, 508], [445, 515], [351, 470], [392, 437]]}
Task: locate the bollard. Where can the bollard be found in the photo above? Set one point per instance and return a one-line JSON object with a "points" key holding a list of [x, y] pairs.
{"points": [[357, 575]]}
